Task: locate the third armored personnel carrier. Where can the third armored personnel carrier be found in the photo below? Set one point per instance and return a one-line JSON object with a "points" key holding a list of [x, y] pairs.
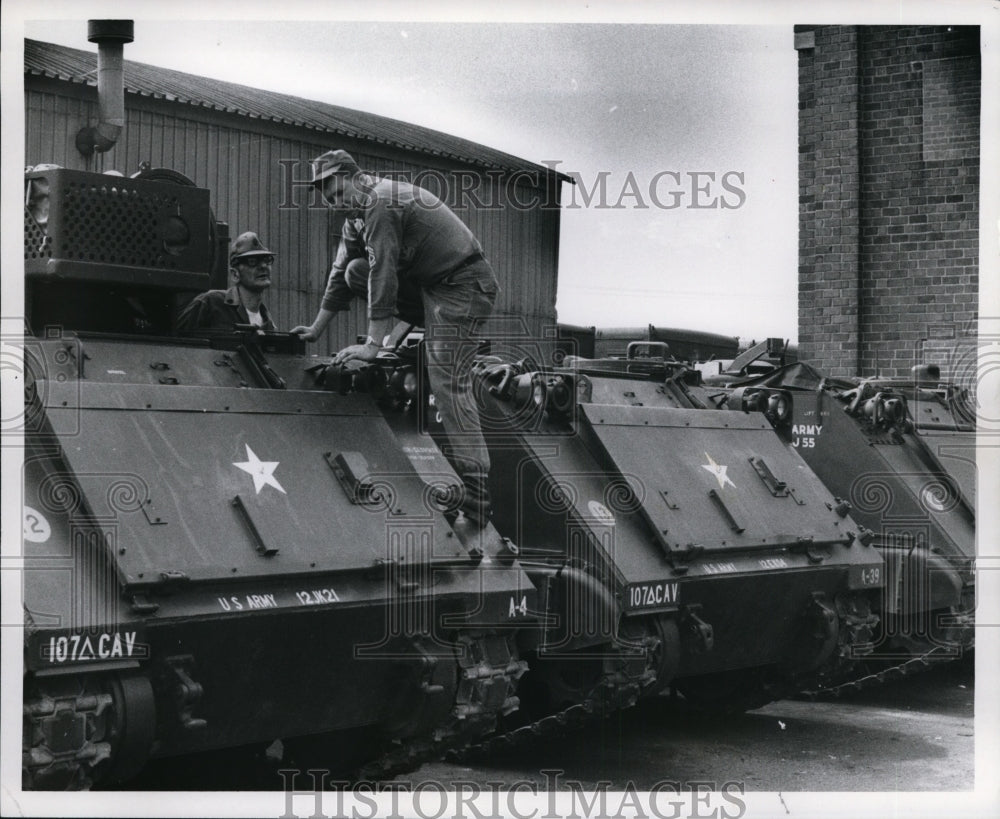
{"points": [[901, 452]]}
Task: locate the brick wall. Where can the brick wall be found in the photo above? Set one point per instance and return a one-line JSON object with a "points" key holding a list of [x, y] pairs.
{"points": [[888, 193]]}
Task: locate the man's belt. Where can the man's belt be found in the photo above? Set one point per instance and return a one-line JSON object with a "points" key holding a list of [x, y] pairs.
{"points": [[471, 259]]}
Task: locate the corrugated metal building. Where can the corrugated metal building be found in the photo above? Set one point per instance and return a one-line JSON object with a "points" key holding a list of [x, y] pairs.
{"points": [[251, 149]]}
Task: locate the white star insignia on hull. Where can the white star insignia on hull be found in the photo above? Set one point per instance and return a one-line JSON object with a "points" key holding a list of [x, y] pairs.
{"points": [[262, 472], [718, 471]]}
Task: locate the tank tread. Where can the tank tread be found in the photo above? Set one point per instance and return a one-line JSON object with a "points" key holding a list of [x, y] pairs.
{"points": [[619, 688], [489, 671], [65, 737], [616, 690], [572, 718], [922, 662], [933, 655]]}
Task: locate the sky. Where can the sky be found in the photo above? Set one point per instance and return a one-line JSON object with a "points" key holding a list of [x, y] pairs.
{"points": [[660, 115]]}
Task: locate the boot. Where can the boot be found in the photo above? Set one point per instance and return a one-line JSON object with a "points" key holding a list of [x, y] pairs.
{"points": [[476, 501]]}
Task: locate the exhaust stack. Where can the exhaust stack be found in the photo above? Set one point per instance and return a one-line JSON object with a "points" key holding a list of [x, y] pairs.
{"points": [[110, 36]]}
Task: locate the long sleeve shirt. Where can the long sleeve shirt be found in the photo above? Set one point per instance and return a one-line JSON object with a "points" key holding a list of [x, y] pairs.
{"points": [[338, 294], [411, 236]]}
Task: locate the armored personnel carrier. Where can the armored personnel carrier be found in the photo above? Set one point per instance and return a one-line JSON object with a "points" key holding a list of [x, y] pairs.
{"points": [[670, 546], [901, 452], [218, 549]]}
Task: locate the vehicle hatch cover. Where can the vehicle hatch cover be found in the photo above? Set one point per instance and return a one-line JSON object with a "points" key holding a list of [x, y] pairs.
{"points": [[207, 495], [713, 480]]}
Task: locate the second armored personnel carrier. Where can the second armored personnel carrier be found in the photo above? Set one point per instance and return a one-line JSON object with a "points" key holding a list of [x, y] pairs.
{"points": [[670, 546]]}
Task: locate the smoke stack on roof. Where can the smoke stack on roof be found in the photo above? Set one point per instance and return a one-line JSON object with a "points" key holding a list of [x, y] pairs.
{"points": [[110, 36]]}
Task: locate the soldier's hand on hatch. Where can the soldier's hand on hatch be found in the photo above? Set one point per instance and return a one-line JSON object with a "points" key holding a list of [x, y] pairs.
{"points": [[357, 352], [307, 333]]}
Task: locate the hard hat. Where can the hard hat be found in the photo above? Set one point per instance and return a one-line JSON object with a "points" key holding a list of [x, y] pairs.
{"points": [[247, 244]]}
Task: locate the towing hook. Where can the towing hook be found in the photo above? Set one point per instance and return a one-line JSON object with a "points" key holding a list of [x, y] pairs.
{"points": [[841, 507], [865, 536], [508, 551]]}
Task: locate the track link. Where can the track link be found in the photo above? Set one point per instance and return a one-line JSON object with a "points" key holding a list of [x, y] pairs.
{"points": [[489, 671]]}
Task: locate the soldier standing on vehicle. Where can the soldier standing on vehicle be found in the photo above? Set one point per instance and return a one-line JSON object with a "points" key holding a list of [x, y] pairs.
{"points": [[250, 269], [415, 242]]}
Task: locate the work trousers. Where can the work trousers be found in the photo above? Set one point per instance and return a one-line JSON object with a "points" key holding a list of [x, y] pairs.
{"points": [[454, 311]]}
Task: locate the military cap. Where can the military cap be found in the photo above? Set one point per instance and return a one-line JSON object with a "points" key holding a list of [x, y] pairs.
{"points": [[330, 163], [247, 244]]}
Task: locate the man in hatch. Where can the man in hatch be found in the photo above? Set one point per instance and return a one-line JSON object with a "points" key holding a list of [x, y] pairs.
{"points": [[250, 269], [416, 244]]}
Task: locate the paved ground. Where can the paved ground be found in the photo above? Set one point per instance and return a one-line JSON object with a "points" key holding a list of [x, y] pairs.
{"points": [[915, 735], [912, 735]]}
